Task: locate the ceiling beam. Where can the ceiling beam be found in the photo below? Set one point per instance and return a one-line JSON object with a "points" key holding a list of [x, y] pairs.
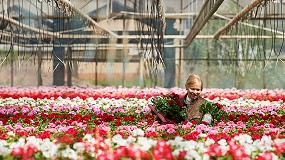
{"points": [[84, 47], [134, 15], [252, 25], [206, 12], [22, 25], [239, 17], [68, 4], [241, 36]]}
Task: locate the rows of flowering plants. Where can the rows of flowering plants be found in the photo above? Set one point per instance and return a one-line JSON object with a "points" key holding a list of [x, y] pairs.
{"points": [[136, 92], [116, 123]]}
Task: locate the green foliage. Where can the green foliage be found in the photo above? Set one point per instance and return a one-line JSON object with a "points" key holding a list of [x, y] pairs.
{"points": [[170, 106], [215, 109]]}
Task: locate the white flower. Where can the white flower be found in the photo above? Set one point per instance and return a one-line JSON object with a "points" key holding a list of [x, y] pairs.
{"points": [[222, 142], [138, 132], [12, 134], [243, 139], [209, 142], [88, 138], [117, 139], [69, 153], [144, 143], [19, 143], [79, 147], [130, 140], [4, 148], [193, 155], [202, 135], [264, 144], [279, 141], [48, 148]]}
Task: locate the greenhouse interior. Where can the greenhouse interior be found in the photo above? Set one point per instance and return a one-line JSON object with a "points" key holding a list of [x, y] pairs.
{"points": [[142, 43], [142, 79]]}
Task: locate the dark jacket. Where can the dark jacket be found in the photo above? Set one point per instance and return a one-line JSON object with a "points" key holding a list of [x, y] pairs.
{"points": [[193, 109]]}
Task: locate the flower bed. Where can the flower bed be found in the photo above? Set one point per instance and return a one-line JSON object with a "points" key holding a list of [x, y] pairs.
{"points": [[112, 123]]}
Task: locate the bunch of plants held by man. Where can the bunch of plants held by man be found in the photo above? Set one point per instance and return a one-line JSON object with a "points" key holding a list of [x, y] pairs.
{"points": [[116, 123]]}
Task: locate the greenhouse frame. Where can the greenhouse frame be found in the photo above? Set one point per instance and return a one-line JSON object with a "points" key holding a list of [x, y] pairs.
{"points": [[146, 43], [142, 80]]}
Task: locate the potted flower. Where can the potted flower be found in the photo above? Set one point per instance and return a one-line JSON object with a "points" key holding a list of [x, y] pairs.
{"points": [[168, 108], [212, 112]]}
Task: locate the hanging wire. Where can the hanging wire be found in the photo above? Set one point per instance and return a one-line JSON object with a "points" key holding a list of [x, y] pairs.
{"points": [[272, 50], [277, 54], [2, 27], [153, 44], [282, 24]]}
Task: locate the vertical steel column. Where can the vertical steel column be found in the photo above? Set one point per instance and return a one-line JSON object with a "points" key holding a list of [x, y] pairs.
{"points": [[125, 50], [58, 52], [180, 48], [12, 64], [264, 53], [40, 55], [69, 67], [96, 53]]}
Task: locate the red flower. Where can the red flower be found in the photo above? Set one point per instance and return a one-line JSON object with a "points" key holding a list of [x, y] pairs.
{"points": [[21, 133], [193, 121], [174, 95], [181, 155], [237, 151], [179, 103], [64, 139], [151, 135], [25, 152], [214, 151], [170, 101], [45, 134], [191, 136], [118, 122], [222, 135], [4, 136], [219, 105], [264, 156], [169, 106], [184, 122], [17, 151], [205, 123], [72, 132], [256, 136], [162, 151], [129, 118], [279, 148], [130, 152]]}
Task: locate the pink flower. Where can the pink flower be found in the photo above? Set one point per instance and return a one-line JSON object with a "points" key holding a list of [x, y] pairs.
{"points": [[24, 152], [264, 156], [171, 130], [279, 148], [237, 151], [214, 151], [162, 151]]}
